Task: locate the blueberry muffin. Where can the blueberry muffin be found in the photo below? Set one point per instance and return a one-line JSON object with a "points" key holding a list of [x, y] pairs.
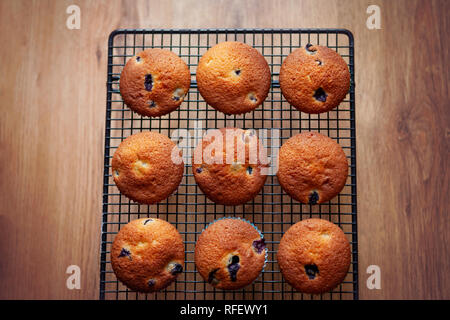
{"points": [[154, 82], [230, 165], [312, 168], [233, 77], [143, 169], [314, 79], [147, 254], [230, 253], [314, 256]]}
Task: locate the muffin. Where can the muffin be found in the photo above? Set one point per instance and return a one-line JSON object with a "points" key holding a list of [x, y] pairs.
{"points": [[230, 165], [314, 79], [143, 169], [233, 77], [154, 82], [314, 256], [312, 168], [230, 253], [147, 254]]}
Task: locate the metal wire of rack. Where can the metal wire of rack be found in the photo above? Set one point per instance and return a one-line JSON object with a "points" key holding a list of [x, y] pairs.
{"points": [[272, 211]]}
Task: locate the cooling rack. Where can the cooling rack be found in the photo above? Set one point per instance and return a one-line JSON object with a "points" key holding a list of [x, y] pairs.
{"points": [[272, 211]]}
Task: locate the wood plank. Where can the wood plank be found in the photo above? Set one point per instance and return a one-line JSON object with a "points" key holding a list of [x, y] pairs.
{"points": [[52, 127]]}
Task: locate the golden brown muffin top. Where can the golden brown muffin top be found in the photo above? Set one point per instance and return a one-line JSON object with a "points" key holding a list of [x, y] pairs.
{"points": [[314, 79], [314, 256], [233, 77], [240, 176], [147, 254], [154, 82], [143, 169], [312, 168], [230, 253]]}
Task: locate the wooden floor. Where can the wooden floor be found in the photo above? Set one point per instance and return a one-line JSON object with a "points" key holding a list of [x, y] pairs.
{"points": [[53, 91]]}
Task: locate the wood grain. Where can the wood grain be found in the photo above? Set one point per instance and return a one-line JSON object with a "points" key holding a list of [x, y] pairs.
{"points": [[53, 92]]}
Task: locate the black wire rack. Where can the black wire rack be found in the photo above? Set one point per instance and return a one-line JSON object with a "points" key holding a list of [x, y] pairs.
{"points": [[272, 211]]}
